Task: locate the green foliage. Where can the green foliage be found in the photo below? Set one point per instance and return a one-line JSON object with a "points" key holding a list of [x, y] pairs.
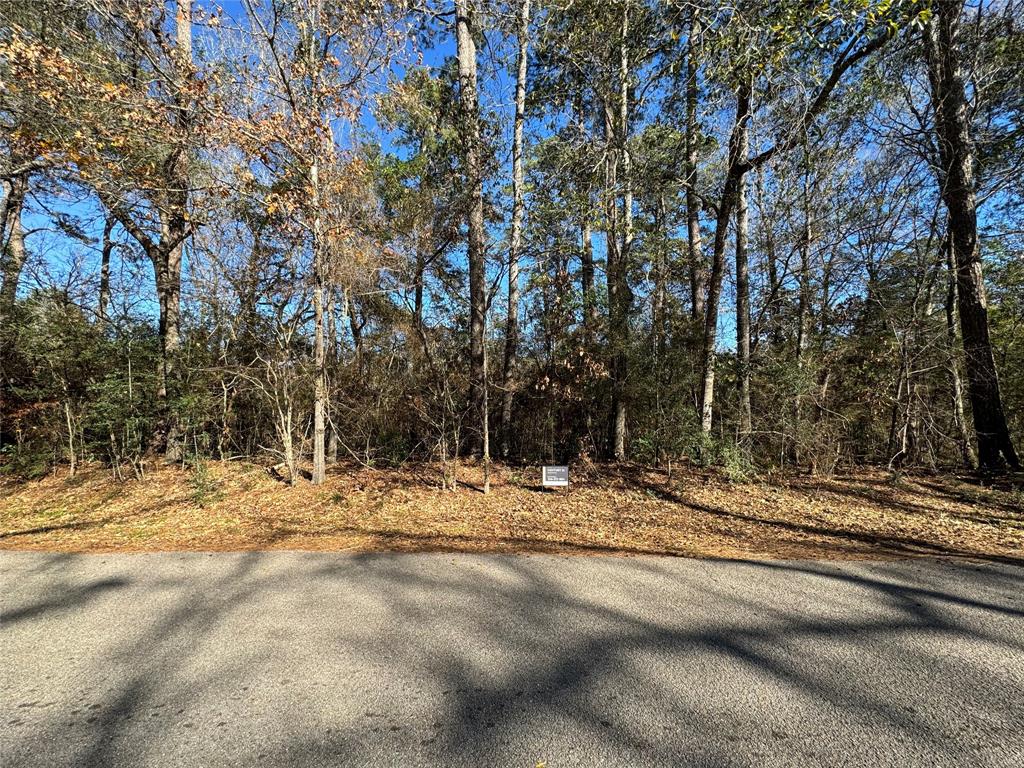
{"points": [[51, 354], [735, 462], [72, 387], [26, 461], [206, 489], [393, 448], [122, 399], [730, 457]]}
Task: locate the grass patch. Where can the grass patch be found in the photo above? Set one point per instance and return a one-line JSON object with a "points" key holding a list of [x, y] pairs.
{"points": [[206, 488]]}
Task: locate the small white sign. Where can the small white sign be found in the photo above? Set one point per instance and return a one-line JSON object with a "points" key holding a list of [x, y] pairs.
{"points": [[555, 477]]}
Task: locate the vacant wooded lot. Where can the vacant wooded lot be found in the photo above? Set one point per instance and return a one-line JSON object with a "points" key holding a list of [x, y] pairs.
{"points": [[295, 273]]}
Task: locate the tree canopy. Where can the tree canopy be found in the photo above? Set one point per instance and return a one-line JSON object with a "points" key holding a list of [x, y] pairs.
{"points": [[757, 234]]}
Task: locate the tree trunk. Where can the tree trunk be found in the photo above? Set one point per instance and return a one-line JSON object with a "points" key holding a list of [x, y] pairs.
{"points": [[952, 126], [320, 270], [658, 301], [619, 295], [804, 300], [515, 237], [12, 247], [743, 290], [698, 272], [284, 425], [332, 361], [587, 275], [486, 431], [167, 254], [355, 325], [725, 208], [466, 53], [319, 348], [108, 248], [612, 259], [956, 387], [421, 268], [766, 236], [72, 454], [167, 268]]}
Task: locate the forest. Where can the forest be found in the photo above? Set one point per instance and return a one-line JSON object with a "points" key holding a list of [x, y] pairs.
{"points": [[759, 235]]}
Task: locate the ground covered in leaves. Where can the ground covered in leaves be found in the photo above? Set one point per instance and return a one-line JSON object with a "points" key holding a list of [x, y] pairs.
{"points": [[614, 509]]}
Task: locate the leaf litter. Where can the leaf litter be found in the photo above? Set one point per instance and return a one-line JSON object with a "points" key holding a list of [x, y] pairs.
{"points": [[608, 509]]}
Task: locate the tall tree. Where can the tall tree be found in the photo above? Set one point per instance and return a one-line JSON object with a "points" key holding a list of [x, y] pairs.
{"points": [[516, 234], [957, 182], [743, 288], [164, 243], [871, 34], [313, 66], [620, 297], [465, 21], [730, 193], [314, 58], [697, 270]]}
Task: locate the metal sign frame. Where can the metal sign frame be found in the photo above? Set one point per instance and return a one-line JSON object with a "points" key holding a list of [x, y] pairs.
{"points": [[554, 476]]}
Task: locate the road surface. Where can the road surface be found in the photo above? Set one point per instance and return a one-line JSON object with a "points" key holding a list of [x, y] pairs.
{"points": [[308, 659]]}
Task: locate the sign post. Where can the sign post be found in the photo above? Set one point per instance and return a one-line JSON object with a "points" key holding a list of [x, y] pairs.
{"points": [[554, 477]]}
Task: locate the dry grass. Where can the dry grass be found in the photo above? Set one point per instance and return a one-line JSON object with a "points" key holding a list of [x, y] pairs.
{"points": [[608, 510]]}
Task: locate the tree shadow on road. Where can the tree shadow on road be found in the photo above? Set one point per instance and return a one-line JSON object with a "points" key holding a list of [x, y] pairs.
{"points": [[436, 660]]}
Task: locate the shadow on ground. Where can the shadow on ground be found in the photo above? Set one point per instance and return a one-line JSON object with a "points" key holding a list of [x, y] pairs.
{"points": [[316, 659]]}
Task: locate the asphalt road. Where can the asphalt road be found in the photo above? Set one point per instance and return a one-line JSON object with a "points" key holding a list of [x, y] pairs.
{"points": [[303, 659]]}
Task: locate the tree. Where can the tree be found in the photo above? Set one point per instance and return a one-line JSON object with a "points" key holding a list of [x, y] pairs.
{"points": [[620, 297], [743, 286], [12, 232], [173, 64], [872, 32], [317, 58], [697, 269], [726, 204], [957, 182], [117, 99], [516, 234], [465, 26]]}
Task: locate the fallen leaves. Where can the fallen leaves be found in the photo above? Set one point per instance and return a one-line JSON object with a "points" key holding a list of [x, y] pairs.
{"points": [[611, 510]]}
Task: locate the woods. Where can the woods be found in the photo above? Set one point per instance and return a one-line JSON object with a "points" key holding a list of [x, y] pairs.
{"points": [[764, 235]]}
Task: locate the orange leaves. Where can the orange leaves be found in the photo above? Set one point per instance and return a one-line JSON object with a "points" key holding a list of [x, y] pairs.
{"points": [[70, 110], [283, 204]]}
